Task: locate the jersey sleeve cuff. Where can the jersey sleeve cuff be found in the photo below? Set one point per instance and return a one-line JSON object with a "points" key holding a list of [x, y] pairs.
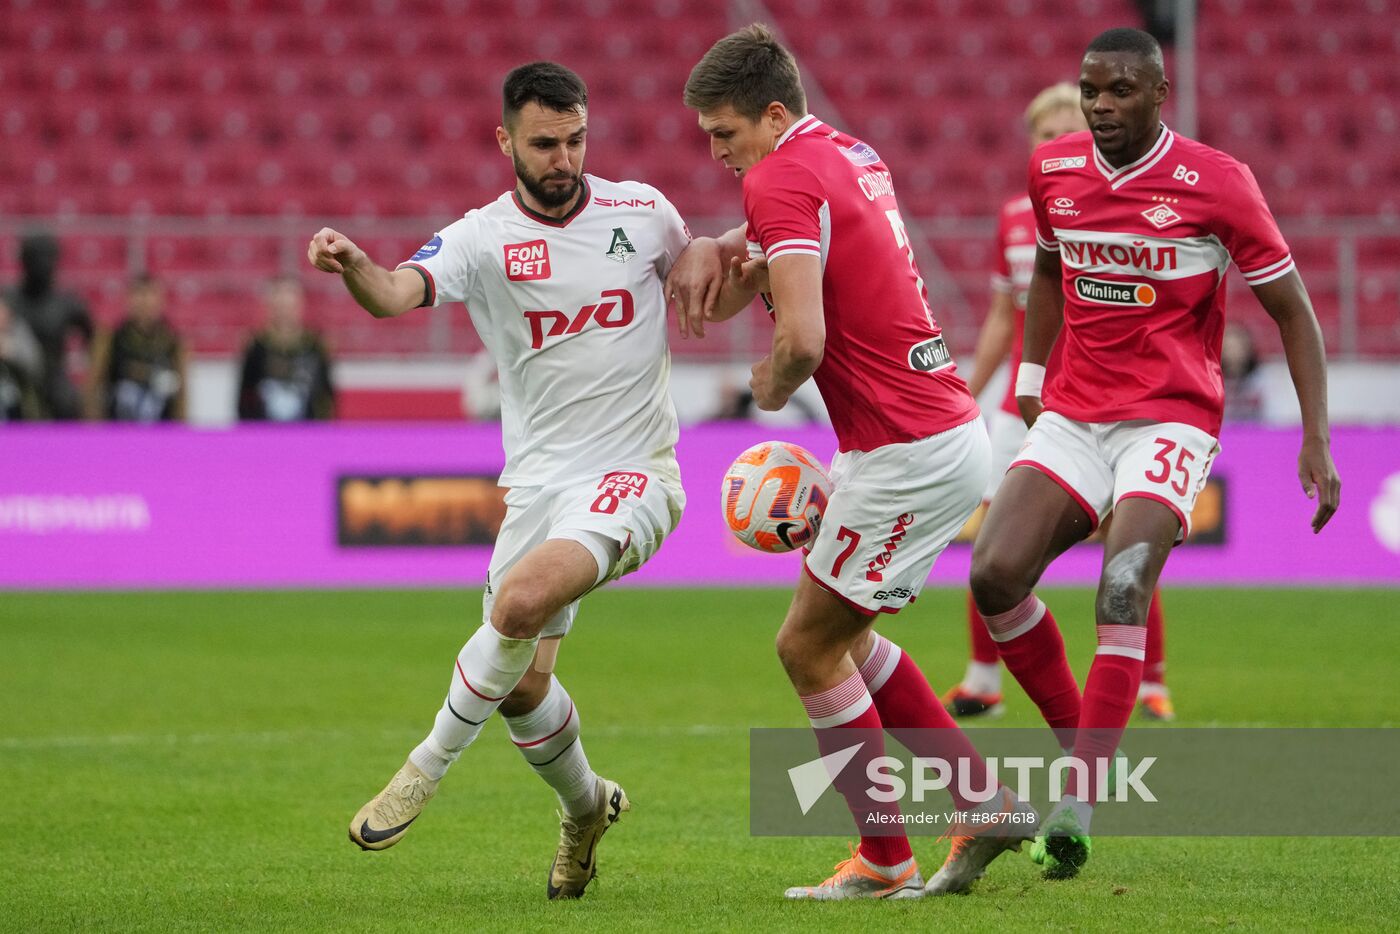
{"points": [[1270, 272], [784, 247], [1051, 245], [429, 286]]}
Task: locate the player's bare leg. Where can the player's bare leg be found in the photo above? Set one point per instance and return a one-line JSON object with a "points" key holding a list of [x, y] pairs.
{"points": [[814, 646], [1032, 521], [1137, 548], [1154, 700], [545, 580]]}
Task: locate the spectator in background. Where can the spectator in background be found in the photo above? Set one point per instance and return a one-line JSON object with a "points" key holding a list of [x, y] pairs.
{"points": [[21, 363], [1239, 366], [139, 370], [54, 317], [286, 370]]}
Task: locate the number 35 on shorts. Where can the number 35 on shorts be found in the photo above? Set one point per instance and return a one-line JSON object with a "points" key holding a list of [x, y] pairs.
{"points": [[1173, 466], [1172, 463]]}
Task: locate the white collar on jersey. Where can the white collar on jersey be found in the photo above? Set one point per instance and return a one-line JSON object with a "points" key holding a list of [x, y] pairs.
{"points": [[1120, 177], [806, 125]]}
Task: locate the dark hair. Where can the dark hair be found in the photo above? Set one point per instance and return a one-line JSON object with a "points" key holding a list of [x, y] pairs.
{"points": [[1133, 41], [548, 84], [746, 70], [37, 243]]}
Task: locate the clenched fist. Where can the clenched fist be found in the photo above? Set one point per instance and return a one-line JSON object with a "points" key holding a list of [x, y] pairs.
{"points": [[332, 251]]}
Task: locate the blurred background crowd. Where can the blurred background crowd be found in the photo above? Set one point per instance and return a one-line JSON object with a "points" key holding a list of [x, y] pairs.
{"points": [[163, 163]]}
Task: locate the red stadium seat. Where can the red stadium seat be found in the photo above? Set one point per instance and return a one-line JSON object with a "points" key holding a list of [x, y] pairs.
{"points": [[239, 108]]}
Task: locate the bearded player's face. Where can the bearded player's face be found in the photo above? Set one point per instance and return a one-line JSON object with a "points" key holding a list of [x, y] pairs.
{"points": [[547, 146]]}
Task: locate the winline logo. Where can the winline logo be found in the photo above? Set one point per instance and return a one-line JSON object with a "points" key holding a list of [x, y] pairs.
{"points": [[892, 779], [1114, 293]]}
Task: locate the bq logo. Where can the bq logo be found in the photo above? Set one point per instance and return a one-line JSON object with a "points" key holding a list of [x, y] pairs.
{"points": [[527, 261], [1114, 293]]}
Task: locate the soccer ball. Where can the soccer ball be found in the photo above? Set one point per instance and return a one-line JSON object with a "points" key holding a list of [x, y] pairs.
{"points": [[774, 495]]}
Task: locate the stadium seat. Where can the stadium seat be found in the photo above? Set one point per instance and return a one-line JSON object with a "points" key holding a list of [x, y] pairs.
{"points": [[243, 108]]}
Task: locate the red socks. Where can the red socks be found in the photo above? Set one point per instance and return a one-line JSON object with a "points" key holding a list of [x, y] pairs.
{"points": [[911, 712], [984, 647], [848, 706], [1030, 645], [1109, 695]]}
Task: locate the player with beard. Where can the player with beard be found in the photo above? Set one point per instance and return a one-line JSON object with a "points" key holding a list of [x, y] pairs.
{"points": [[1135, 229], [562, 277]]}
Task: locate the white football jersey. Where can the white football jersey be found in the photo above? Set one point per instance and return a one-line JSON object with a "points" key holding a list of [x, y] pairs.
{"points": [[573, 312]]}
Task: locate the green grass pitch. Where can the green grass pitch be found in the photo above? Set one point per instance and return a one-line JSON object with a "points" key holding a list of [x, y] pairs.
{"points": [[190, 761]]}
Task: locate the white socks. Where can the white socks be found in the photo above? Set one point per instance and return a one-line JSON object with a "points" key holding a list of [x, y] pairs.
{"points": [[488, 668], [548, 738], [982, 678]]}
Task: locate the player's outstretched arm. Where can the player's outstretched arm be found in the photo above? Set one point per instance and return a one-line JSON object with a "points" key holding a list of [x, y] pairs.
{"points": [[693, 284], [382, 292], [1045, 313], [744, 278], [799, 335], [1286, 300], [704, 285], [993, 342]]}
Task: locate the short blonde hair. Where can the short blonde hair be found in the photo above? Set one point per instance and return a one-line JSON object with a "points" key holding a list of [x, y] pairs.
{"points": [[1062, 96]]}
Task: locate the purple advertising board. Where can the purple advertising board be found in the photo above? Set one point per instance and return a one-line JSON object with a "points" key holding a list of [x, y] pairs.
{"points": [[127, 507]]}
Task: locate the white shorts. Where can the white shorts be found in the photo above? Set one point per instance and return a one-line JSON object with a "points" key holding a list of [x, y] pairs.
{"points": [[892, 512], [621, 517], [1101, 463], [1008, 433]]}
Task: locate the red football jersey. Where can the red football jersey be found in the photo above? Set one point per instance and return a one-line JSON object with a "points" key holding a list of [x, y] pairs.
{"points": [[1144, 249], [1015, 261], [886, 376]]}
